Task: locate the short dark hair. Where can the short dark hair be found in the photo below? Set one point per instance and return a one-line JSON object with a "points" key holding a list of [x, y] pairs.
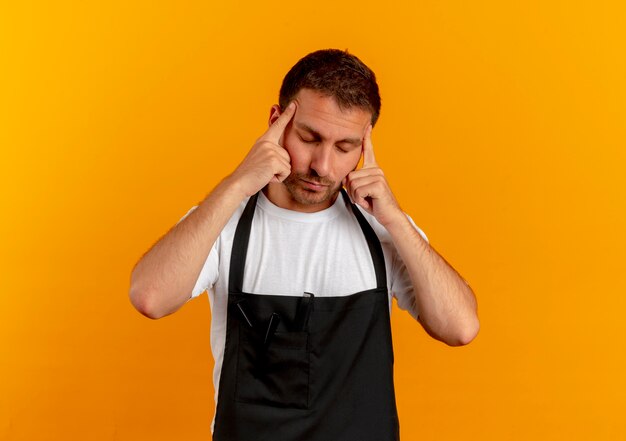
{"points": [[334, 73]]}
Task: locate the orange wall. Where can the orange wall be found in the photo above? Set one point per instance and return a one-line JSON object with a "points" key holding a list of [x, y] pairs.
{"points": [[502, 134]]}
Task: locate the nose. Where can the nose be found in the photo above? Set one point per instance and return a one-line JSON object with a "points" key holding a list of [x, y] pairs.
{"points": [[321, 160]]}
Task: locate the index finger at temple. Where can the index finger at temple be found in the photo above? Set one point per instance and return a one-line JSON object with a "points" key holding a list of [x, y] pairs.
{"points": [[276, 130], [369, 160]]}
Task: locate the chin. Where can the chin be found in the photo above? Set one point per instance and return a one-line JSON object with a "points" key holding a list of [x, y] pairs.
{"points": [[305, 196]]}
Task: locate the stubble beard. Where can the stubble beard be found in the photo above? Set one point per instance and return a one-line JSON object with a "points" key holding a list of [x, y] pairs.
{"points": [[305, 196]]}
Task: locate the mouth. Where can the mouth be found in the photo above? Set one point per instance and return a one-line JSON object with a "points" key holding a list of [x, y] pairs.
{"points": [[314, 185]]}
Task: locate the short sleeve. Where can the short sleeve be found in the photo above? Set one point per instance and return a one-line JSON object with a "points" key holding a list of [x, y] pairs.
{"points": [[209, 272], [419, 230]]}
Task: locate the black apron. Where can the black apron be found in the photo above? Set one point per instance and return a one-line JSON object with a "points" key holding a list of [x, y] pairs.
{"points": [[306, 368]]}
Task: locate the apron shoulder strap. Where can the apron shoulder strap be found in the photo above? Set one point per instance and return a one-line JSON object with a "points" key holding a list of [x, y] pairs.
{"points": [[240, 247], [376, 249]]}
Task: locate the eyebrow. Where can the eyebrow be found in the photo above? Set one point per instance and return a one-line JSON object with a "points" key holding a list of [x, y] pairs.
{"points": [[312, 131]]}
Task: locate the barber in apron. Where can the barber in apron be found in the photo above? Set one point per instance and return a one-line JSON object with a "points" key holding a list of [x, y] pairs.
{"points": [[306, 368]]}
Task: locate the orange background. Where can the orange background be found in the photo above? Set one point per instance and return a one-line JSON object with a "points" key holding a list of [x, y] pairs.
{"points": [[503, 134]]}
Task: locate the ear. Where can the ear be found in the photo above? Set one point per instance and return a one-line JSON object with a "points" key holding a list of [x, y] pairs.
{"points": [[274, 114]]}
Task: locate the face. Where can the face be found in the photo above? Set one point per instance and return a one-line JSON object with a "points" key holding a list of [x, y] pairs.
{"points": [[325, 144]]}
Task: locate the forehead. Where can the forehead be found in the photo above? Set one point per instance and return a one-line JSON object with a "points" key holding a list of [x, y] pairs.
{"points": [[323, 114]]}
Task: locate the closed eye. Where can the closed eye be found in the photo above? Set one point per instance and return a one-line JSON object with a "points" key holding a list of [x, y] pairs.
{"points": [[308, 141]]}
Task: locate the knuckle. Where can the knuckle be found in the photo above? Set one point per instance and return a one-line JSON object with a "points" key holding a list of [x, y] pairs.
{"points": [[267, 145], [260, 142]]}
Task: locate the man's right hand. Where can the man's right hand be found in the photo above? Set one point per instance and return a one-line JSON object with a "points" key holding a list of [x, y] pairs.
{"points": [[163, 279], [267, 161]]}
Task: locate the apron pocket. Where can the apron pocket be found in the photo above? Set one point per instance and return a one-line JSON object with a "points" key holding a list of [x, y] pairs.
{"points": [[277, 375]]}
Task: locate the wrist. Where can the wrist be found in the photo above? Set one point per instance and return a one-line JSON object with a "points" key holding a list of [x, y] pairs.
{"points": [[397, 221], [235, 186]]}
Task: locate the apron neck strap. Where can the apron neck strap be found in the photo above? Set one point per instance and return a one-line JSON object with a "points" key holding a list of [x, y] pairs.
{"points": [[242, 238], [240, 247], [376, 249]]}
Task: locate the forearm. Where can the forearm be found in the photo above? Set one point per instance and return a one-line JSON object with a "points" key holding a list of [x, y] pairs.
{"points": [[445, 302], [164, 277]]}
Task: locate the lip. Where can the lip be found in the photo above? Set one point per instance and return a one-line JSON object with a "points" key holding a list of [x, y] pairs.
{"points": [[314, 186]]}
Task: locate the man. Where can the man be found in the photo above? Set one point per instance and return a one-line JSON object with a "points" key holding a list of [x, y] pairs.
{"points": [[301, 273]]}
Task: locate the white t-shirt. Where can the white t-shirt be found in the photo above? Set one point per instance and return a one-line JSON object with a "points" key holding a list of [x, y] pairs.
{"points": [[290, 253]]}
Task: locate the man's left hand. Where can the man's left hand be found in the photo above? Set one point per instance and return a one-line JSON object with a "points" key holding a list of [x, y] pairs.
{"points": [[368, 187]]}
